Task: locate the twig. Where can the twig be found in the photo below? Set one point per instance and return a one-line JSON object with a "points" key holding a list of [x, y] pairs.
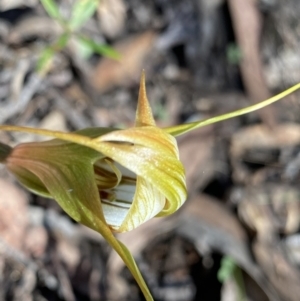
{"points": [[247, 27], [15, 107]]}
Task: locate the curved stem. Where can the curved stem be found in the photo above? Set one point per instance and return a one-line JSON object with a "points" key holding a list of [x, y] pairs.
{"points": [[126, 256], [184, 128]]}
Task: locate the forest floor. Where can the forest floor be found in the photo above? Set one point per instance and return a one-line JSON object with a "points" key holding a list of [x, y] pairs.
{"points": [[202, 58]]}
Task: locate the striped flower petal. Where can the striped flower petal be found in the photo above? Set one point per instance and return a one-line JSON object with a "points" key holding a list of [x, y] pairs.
{"points": [[152, 155]]}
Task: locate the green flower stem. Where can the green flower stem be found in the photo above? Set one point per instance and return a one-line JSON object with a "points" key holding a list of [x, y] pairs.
{"points": [[184, 128], [129, 261], [126, 256]]}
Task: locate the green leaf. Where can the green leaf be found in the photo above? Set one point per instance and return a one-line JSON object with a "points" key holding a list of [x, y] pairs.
{"points": [[46, 56], [45, 59], [81, 12], [51, 8], [102, 49], [234, 54], [227, 269], [83, 49], [61, 42]]}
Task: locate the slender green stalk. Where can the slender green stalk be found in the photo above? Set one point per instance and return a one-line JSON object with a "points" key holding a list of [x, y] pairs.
{"points": [[126, 256], [184, 128]]}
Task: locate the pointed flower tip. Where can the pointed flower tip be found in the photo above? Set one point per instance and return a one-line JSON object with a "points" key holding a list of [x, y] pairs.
{"points": [[144, 116]]}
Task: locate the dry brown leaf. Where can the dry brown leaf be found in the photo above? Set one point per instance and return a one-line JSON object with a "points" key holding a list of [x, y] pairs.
{"points": [[270, 209], [210, 211], [75, 91], [54, 121], [260, 137], [281, 273], [36, 241], [112, 15], [34, 27], [210, 225], [134, 51]]}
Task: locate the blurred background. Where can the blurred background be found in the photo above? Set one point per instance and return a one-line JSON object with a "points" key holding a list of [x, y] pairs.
{"points": [[237, 237]]}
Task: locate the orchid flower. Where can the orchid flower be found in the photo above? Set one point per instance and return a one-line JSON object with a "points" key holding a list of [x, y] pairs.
{"points": [[108, 179]]}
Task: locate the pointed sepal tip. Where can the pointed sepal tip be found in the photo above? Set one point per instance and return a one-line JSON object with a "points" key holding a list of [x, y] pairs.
{"points": [[144, 116]]}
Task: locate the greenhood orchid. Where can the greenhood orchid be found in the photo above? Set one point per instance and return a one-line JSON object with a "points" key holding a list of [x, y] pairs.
{"points": [[137, 171], [108, 179]]}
